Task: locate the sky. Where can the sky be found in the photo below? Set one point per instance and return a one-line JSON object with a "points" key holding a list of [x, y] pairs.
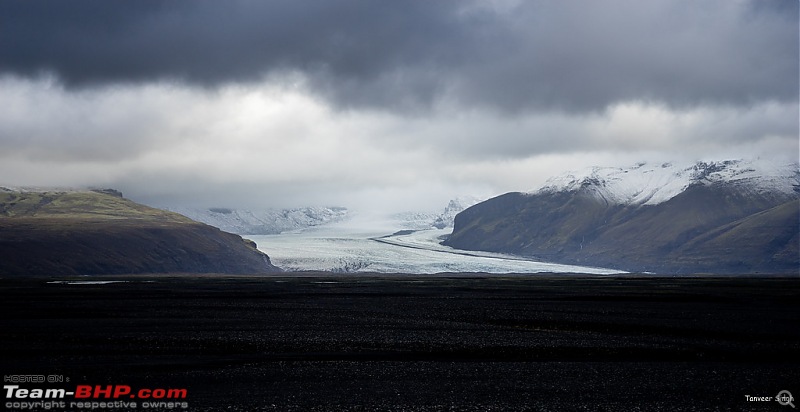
{"points": [[389, 105]]}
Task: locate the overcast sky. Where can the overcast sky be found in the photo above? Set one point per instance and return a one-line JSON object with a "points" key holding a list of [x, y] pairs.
{"points": [[390, 104]]}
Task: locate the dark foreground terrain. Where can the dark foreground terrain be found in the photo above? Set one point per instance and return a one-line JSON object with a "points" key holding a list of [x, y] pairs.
{"points": [[414, 343]]}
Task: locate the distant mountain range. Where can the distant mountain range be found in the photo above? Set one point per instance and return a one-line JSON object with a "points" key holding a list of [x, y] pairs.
{"points": [[81, 232], [264, 221], [275, 221], [434, 219], [736, 216]]}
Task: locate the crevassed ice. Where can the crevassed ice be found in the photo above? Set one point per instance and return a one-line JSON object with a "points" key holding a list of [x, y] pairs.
{"points": [[338, 249]]}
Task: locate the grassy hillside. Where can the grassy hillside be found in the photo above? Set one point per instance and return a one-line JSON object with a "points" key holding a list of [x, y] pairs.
{"points": [[80, 206], [705, 228], [88, 233]]}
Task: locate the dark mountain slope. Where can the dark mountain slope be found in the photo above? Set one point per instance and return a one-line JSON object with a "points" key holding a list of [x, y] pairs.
{"points": [[707, 227], [88, 233], [766, 239]]}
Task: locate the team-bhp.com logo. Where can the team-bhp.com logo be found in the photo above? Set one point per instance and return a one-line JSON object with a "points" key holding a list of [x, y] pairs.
{"points": [[95, 397]]}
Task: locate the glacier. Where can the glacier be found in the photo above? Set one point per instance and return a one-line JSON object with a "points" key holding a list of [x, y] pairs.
{"points": [[384, 244], [336, 239]]}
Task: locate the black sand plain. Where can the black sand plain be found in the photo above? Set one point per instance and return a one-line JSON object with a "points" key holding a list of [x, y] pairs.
{"points": [[454, 342]]}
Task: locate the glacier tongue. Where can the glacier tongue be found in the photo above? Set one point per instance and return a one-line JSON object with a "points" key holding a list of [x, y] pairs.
{"points": [[650, 184]]}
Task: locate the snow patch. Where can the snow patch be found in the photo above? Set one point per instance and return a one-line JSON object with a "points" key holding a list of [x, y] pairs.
{"points": [[651, 184]]}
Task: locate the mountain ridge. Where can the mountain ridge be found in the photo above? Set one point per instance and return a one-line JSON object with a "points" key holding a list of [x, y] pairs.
{"points": [[276, 221], [47, 233], [264, 221], [591, 222], [651, 184]]}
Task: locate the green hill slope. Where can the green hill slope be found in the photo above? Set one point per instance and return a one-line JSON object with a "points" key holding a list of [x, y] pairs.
{"points": [[705, 228], [100, 232]]}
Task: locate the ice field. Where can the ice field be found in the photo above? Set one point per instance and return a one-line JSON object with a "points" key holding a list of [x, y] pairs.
{"points": [[387, 247]]}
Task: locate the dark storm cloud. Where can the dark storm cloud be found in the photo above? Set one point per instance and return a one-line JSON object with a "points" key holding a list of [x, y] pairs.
{"points": [[572, 56], [349, 42]]}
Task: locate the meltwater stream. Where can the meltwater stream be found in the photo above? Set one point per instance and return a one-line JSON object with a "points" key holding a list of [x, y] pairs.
{"points": [[345, 247]]}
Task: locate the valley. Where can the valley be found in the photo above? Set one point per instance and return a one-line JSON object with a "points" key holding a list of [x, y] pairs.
{"points": [[384, 247]]}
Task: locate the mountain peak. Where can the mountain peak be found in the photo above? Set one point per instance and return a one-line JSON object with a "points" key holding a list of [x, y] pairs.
{"points": [[653, 183], [733, 216]]}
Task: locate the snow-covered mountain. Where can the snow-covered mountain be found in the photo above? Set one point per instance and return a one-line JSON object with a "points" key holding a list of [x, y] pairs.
{"points": [[435, 219], [733, 216], [446, 218], [651, 184], [265, 221], [275, 221]]}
